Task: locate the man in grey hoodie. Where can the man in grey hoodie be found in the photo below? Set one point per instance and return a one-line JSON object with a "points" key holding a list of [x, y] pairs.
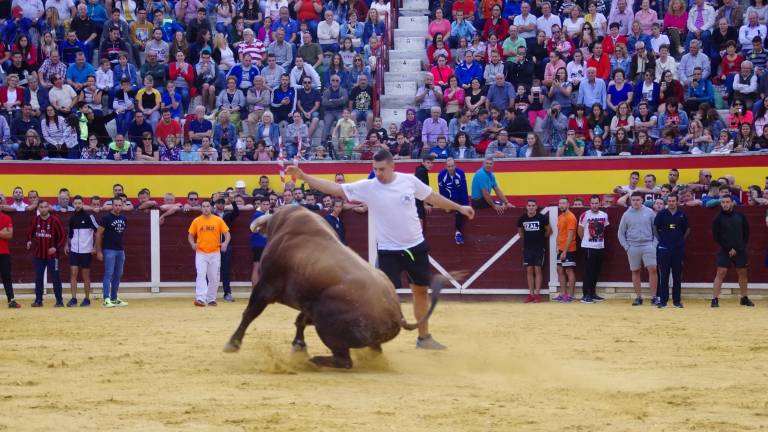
{"points": [[637, 236]]}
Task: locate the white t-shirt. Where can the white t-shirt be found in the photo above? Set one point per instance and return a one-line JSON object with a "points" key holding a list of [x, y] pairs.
{"points": [[19, 206], [594, 225], [393, 207], [520, 21], [545, 24]]}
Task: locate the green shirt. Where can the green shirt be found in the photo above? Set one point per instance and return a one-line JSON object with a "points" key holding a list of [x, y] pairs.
{"points": [[512, 46]]}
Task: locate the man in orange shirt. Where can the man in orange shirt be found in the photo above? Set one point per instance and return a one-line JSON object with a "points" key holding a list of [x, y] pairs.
{"points": [[204, 237], [566, 249]]}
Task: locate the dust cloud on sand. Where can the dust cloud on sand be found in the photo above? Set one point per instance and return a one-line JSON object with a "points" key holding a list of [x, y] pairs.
{"points": [[158, 365]]}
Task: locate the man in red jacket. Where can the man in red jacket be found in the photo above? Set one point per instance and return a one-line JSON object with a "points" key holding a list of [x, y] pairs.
{"points": [[600, 61], [48, 237], [6, 234]]}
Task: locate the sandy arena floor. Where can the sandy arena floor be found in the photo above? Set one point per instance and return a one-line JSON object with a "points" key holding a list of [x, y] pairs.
{"points": [[158, 365]]}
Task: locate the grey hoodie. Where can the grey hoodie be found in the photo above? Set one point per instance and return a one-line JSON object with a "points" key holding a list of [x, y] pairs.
{"points": [[636, 228]]}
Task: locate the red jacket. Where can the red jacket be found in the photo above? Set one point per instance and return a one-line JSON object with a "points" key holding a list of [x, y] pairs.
{"points": [[609, 46], [501, 29], [187, 73], [603, 66], [4, 94]]}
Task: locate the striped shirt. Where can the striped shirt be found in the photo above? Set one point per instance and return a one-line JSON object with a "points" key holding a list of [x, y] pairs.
{"points": [[45, 234], [255, 49]]}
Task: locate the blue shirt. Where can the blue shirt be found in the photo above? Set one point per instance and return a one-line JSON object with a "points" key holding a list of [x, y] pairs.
{"points": [[79, 75], [338, 225], [465, 73], [114, 228], [441, 153], [482, 180], [453, 187], [290, 27], [198, 126], [257, 239], [671, 229], [165, 97]]}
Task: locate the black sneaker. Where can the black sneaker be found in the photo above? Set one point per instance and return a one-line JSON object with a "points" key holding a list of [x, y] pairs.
{"points": [[638, 301], [13, 304], [715, 303], [661, 305], [745, 301], [72, 302], [59, 304], [597, 298], [588, 300], [655, 300], [679, 305]]}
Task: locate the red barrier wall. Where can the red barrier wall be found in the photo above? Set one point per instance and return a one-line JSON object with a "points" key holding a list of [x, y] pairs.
{"points": [[484, 236]]}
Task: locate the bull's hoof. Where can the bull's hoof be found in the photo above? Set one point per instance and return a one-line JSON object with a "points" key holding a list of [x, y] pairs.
{"points": [[299, 346], [332, 362], [232, 347]]}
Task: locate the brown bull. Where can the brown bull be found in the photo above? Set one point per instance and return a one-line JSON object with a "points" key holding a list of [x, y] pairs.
{"points": [[304, 266]]}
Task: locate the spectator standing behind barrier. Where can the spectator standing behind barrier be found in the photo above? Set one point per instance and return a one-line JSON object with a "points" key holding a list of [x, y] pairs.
{"points": [[534, 228], [204, 236], [110, 250], [258, 240], [731, 231], [591, 229], [226, 254], [334, 219], [483, 183], [47, 236], [452, 184], [82, 227], [566, 248], [672, 229], [6, 234], [422, 173], [637, 236]]}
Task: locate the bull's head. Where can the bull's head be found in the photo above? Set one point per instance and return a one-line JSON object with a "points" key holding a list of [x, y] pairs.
{"points": [[260, 223]]}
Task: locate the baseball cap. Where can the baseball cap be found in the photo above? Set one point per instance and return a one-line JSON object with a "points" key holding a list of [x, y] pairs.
{"points": [[240, 184]]}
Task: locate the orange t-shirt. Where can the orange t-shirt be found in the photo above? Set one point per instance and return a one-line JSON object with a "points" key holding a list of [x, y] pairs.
{"points": [[565, 222], [207, 231]]}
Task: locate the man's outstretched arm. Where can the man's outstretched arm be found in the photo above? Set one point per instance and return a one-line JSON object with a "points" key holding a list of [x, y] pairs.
{"points": [[325, 186]]}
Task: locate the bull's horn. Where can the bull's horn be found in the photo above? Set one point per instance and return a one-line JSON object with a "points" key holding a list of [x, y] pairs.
{"points": [[258, 222]]}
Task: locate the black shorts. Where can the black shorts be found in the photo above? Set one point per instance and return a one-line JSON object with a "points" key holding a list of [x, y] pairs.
{"points": [[738, 261], [534, 257], [82, 260], [257, 251], [414, 262], [569, 261]]}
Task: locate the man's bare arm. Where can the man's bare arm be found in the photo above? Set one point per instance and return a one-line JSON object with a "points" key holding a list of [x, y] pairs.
{"points": [[322, 185]]}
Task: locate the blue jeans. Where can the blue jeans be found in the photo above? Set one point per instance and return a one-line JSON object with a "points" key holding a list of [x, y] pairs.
{"points": [[123, 121], [52, 264], [113, 271], [226, 270]]}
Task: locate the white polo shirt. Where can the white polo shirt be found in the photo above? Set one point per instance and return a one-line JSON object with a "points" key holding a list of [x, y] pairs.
{"points": [[393, 208]]}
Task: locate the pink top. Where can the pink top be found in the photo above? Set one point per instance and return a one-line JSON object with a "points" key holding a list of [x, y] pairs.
{"points": [[646, 19], [452, 98], [551, 68], [678, 22], [443, 26]]}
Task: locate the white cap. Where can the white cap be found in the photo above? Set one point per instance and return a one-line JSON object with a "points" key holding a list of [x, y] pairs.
{"points": [[240, 184]]}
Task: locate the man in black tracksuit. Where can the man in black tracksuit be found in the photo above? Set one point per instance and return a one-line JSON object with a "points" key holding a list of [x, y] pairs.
{"points": [[731, 231], [672, 228], [226, 257], [422, 173]]}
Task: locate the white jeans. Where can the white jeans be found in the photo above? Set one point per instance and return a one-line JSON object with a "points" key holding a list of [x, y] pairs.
{"points": [[207, 282]]}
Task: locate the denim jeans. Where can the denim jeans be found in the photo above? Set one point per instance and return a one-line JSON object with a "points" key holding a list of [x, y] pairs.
{"points": [[226, 270], [52, 264], [113, 271]]}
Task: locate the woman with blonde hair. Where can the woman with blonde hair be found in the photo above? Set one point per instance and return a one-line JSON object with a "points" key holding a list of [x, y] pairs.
{"points": [[676, 25]]}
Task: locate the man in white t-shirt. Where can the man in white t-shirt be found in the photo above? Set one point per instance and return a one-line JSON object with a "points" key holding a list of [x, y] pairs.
{"points": [[591, 229], [391, 198]]}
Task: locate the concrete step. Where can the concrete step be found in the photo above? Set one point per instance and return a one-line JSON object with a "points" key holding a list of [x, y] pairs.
{"points": [[410, 43], [420, 12], [415, 5], [401, 32], [417, 22], [390, 77], [405, 65], [400, 54], [396, 101], [400, 88], [390, 115]]}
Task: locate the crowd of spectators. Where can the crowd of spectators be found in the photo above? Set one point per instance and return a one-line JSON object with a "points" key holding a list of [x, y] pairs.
{"points": [[591, 78], [217, 80], [185, 80]]}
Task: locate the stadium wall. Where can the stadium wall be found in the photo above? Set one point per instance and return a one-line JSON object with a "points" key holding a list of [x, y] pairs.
{"points": [[545, 178], [173, 260]]}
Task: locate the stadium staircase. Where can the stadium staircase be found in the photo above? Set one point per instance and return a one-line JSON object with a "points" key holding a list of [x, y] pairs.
{"points": [[406, 55]]}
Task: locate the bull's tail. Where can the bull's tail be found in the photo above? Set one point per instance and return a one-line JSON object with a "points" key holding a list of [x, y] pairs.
{"points": [[436, 286]]}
